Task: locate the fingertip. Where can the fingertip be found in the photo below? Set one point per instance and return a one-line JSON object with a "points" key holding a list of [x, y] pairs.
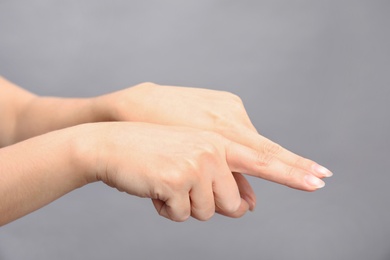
{"points": [[246, 190], [250, 201], [171, 213], [243, 208], [321, 170], [314, 182], [236, 206]]}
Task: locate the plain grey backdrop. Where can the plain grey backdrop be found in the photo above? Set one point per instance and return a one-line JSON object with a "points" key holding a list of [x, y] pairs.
{"points": [[314, 76]]}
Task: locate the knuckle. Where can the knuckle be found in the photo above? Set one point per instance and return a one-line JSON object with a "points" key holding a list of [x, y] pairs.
{"points": [[291, 177], [237, 105], [203, 212], [181, 217], [271, 148], [208, 150], [189, 166], [235, 102], [146, 85], [303, 163], [205, 216], [218, 120], [175, 180], [264, 159], [208, 155], [233, 97], [232, 207], [187, 173], [290, 172], [221, 124], [207, 144], [231, 113], [157, 193]]}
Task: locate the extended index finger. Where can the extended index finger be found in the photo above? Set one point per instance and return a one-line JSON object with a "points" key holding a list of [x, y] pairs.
{"points": [[268, 166], [263, 145]]}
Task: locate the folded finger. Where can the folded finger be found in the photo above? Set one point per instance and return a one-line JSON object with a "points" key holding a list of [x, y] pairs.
{"points": [[202, 201], [226, 193], [176, 208], [244, 207], [245, 190]]}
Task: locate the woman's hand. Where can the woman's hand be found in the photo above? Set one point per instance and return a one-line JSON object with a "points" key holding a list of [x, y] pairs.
{"points": [[187, 172], [190, 166], [216, 111], [221, 112]]}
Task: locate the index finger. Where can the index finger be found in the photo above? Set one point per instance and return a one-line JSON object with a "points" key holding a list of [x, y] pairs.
{"points": [[267, 166]]}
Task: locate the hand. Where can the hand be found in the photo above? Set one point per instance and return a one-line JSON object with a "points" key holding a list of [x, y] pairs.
{"points": [[185, 171], [220, 112]]}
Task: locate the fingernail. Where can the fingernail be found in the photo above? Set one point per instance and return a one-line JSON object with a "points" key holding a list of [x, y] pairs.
{"points": [[250, 202], [314, 181], [322, 170], [252, 206]]}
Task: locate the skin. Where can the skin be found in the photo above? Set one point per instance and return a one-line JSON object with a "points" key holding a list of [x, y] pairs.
{"points": [[185, 148]]}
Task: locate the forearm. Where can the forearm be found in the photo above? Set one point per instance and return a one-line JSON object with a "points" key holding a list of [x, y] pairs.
{"points": [[24, 114], [45, 114], [12, 101], [37, 171]]}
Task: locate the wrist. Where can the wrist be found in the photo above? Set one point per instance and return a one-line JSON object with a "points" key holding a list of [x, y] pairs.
{"points": [[37, 171], [67, 148], [100, 109], [87, 150], [124, 105]]}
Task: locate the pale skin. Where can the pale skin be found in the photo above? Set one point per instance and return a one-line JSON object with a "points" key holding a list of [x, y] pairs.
{"points": [[185, 148]]}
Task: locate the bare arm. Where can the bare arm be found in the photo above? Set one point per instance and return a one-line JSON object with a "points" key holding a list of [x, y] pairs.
{"points": [[186, 172], [37, 171], [216, 111], [12, 102], [24, 114], [41, 169]]}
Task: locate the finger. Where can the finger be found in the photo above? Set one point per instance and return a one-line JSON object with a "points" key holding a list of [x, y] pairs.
{"points": [[176, 208], [265, 146], [226, 193], [246, 190], [244, 207], [202, 202], [303, 163], [267, 166]]}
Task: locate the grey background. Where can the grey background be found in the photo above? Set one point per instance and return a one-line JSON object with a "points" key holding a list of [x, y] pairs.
{"points": [[314, 76]]}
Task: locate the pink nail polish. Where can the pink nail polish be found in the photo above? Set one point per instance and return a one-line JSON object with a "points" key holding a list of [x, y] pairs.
{"points": [[314, 181], [322, 170]]}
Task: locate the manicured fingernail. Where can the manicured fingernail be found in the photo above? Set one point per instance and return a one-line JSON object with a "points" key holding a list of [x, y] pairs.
{"points": [[322, 170], [314, 181]]}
